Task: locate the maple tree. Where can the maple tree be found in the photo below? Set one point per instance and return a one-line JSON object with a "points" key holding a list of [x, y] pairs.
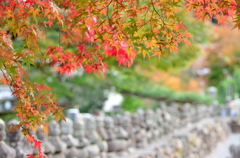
{"points": [[96, 30]]}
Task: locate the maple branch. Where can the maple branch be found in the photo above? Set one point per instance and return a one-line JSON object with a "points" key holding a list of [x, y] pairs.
{"points": [[143, 24], [157, 13], [11, 81], [105, 6], [108, 9], [4, 75]]}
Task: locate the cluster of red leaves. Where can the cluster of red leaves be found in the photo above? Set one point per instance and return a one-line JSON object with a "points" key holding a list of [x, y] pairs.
{"points": [[37, 146], [67, 62], [120, 52], [207, 9], [84, 56], [20, 18]]}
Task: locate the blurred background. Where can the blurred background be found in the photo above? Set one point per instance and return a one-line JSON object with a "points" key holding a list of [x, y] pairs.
{"points": [[203, 73]]}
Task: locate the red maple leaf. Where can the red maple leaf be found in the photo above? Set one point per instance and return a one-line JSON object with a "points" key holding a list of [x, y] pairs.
{"points": [[30, 2], [88, 68]]}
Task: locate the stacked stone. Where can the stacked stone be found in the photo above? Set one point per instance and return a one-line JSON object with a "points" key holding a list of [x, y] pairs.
{"points": [[48, 148], [66, 136], [6, 151], [197, 144], [15, 139], [92, 136], [103, 135], [79, 134], [88, 136], [54, 138], [184, 113]]}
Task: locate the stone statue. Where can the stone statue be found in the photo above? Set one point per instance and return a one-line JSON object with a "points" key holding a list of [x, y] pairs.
{"points": [[140, 133], [67, 130], [167, 118], [121, 134], [55, 140], [163, 105], [113, 145], [126, 123], [27, 147], [174, 111], [79, 134], [235, 151], [159, 152], [48, 148], [141, 118], [103, 134], [150, 126], [159, 122], [5, 150], [92, 136], [15, 139]]}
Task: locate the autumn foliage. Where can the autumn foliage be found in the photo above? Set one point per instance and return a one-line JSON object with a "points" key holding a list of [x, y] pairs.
{"points": [[96, 30]]}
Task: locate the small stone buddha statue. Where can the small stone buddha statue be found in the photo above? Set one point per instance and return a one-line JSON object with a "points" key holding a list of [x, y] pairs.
{"points": [[79, 134], [149, 125], [15, 138], [235, 151], [168, 123], [126, 123], [103, 146], [54, 139], [67, 130], [159, 121], [5, 150], [121, 134], [92, 136], [112, 140], [27, 147], [48, 148], [140, 133]]}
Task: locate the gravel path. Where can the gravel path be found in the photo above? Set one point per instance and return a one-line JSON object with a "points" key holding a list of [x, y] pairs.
{"points": [[222, 149]]}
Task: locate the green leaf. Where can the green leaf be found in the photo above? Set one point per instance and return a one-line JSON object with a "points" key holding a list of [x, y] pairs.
{"points": [[28, 61]]}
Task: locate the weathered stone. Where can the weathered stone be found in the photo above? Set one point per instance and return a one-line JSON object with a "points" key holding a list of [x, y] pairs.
{"points": [[48, 148], [15, 139], [151, 130], [67, 130], [139, 132], [235, 151], [103, 146], [112, 141], [79, 134], [56, 141], [5, 150], [126, 123], [159, 122], [92, 136], [121, 135], [27, 147]]}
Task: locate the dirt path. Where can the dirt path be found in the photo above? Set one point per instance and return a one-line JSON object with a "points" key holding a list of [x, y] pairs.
{"points": [[222, 149]]}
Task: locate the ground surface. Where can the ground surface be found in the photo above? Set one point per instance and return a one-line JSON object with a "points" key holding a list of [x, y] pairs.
{"points": [[222, 149]]}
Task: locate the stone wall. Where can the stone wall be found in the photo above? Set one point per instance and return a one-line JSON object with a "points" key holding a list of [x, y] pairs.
{"points": [[167, 132]]}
